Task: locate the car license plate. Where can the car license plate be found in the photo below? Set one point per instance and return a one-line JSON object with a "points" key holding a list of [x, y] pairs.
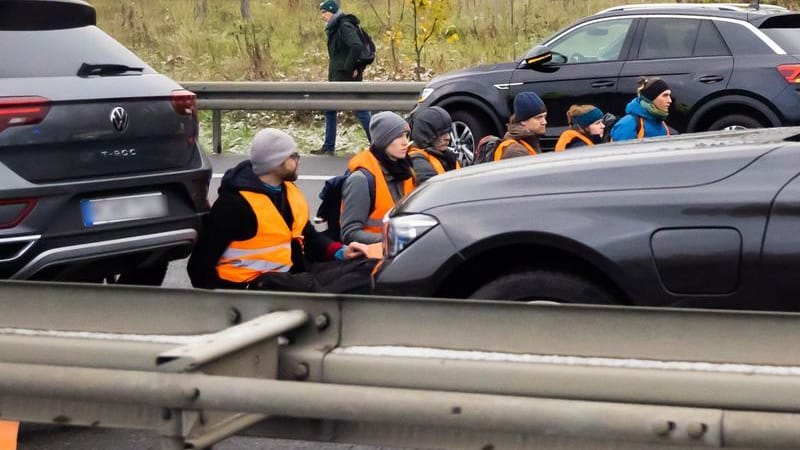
{"points": [[102, 211]]}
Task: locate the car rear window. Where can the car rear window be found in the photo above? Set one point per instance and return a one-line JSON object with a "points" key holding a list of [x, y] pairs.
{"points": [[787, 38], [56, 53], [784, 30]]}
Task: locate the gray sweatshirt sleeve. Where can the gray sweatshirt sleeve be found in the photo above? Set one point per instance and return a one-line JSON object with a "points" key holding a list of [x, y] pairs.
{"points": [[355, 210], [422, 169]]}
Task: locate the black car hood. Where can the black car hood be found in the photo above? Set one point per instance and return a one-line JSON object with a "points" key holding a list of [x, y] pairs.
{"points": [[678, 161], [486, 69]]}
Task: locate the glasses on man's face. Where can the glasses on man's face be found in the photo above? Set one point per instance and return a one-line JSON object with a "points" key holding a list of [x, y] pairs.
{"points": [[295, 156]]}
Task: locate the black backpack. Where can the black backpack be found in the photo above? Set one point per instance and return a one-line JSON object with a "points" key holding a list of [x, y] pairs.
{"points": [[484, 152], [367, 55], [609, 120], [330, 209]]}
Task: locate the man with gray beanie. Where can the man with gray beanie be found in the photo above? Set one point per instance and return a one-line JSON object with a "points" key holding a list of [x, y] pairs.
{"points": [[258, 234], [344, 49], [379, 177]]}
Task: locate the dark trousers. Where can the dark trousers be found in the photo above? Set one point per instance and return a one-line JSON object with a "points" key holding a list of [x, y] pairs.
{"points": [[330, 127], [353, 276]]}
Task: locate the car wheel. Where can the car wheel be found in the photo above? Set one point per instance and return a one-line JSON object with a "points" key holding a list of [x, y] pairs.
{"points": [[467, 131], [735, 122], [539, 285], [143, 276]]}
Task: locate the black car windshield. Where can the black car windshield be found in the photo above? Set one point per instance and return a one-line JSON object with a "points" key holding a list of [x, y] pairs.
{"points": [[787, 38], [56, 53]]}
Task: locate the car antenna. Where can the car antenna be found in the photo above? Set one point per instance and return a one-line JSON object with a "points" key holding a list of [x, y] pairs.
{"points": [[754, 5]]}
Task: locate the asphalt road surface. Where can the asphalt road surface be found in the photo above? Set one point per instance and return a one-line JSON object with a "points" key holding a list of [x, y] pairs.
{"points": [[314, 170]]}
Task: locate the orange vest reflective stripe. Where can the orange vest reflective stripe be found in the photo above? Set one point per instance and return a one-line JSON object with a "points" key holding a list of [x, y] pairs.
{"points": [[383, 198], [498, 152], [568, 136], [435, 163], [270, 250]]}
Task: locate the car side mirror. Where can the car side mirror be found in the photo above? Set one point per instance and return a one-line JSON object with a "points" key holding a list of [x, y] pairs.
{"points": [[536, 57]]}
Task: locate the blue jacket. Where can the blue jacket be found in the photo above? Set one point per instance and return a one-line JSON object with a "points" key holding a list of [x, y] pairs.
{"points": [[626, 128]]}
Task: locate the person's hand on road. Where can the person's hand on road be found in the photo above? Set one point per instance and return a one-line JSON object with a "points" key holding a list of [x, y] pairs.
{"points": [[355, 250]]}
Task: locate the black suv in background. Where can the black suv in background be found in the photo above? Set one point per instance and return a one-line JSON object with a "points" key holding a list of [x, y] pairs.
{"points": [[704, 220], [102, 175], [728, 67]]}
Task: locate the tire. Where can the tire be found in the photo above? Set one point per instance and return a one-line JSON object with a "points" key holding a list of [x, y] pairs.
{"points": [[143, 276], [735, 122], [468, 129], [539, 285]]}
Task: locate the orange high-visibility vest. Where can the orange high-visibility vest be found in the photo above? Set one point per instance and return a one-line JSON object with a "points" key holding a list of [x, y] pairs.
{"points": [[570, 135], [383, 198], [498, 152], [640, 133], [270, 250], [8, 434], [435, 163]]}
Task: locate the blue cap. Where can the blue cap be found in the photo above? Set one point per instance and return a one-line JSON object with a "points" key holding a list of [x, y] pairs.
{"points": [[528, 104]]}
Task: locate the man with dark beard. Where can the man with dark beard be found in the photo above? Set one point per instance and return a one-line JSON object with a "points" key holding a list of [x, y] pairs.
{"points": [[258, 234]]}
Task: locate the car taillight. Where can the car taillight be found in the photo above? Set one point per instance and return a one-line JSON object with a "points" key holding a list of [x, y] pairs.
{"points": [[791, 72], [15, 111], [13, 211], [184, 102]]}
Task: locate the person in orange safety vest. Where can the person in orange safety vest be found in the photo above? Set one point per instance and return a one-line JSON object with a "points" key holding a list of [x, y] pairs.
{"points": [[386, 161], [586, 128], [258, 235], [430, 142], [527, 123]]}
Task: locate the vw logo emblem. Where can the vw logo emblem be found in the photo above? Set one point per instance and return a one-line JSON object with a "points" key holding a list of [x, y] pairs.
{"points": [[119, 118]]}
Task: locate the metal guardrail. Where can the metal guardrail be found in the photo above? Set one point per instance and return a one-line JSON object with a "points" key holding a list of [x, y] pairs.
{"points": [[395, 371], [300, 96]]}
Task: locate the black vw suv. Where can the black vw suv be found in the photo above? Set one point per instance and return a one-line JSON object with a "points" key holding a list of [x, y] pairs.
{"points": [[102, 176], [728, 66]]}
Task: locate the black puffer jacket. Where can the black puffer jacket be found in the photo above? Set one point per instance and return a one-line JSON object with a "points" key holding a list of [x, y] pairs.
{"points": [[344, 47]]}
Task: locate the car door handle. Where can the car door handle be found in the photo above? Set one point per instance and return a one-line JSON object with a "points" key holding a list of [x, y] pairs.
{"points": [[708, 79], [603, 84]]}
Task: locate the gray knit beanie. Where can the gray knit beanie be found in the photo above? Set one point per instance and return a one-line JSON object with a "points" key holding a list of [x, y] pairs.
{"points": [[385, 127], [269, 149]]}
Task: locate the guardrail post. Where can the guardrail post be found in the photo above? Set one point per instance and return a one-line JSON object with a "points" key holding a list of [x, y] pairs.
{"points": [[216, 127]]}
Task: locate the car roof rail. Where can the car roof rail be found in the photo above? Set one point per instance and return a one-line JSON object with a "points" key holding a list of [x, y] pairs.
{"points": [[742, 7]]}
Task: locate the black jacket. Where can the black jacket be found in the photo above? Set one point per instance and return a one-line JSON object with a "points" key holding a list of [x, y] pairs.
{"points": [[232, 219], [344, 48]]}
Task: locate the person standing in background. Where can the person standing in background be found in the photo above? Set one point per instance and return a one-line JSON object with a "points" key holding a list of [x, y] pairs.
{"points": [[344, 48]]}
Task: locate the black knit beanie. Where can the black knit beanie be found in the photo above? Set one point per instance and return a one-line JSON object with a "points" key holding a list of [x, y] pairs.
{"points": [[654, 88]]}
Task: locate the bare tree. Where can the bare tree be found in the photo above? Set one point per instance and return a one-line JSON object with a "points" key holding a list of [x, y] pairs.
{"points": [[201, 9], [245, 8], [392, 29]]}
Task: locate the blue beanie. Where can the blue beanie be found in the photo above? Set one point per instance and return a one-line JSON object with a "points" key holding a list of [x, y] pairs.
{"points": [[329, 5], [589, 117], [526, 105]]}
